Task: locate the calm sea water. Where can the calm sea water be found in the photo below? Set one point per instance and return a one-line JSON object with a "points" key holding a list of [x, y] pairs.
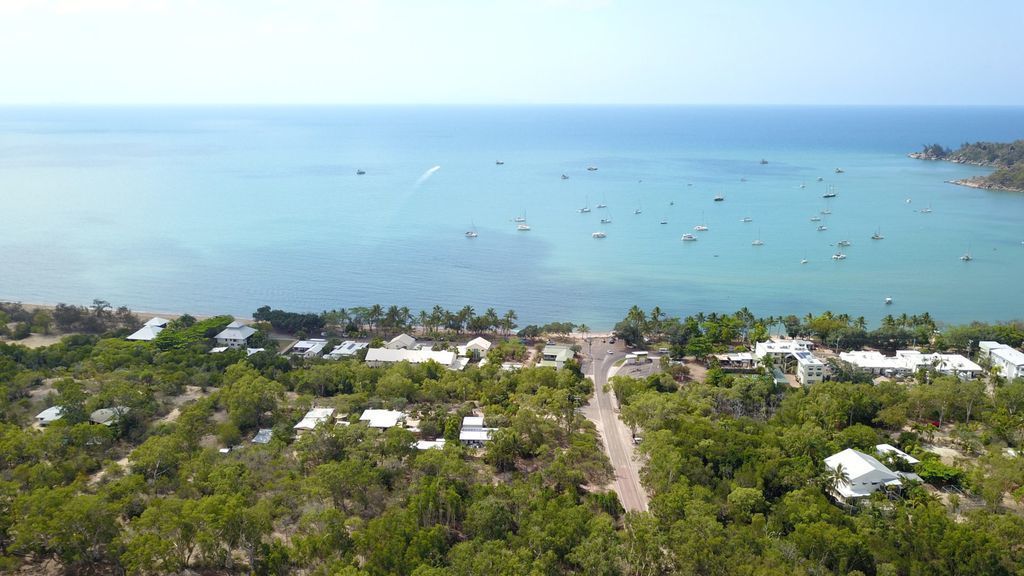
{"points": [[226, 209]]}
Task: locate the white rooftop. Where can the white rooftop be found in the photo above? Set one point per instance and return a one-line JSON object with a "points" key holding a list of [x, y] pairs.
{"points": [[866, 474], [387, 355], [780, 347], [382, 418], [470, 421], [309, 348], [314, 417], [1007, 353], [401, 341], [236, 331], [157, 321], [478, 343], [346, 348], [51, 414], [430, 444], [890, 449], [475, 434], [146, 333]]}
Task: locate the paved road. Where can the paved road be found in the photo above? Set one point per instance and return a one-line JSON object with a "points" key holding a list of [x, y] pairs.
{"points": [[618, 440]]}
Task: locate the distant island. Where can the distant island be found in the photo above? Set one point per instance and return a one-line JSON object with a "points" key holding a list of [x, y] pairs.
{"points": [[1007, 159]]}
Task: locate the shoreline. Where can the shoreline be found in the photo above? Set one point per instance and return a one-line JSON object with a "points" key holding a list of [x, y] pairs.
{"points": [[142, 314], [977, 182]]}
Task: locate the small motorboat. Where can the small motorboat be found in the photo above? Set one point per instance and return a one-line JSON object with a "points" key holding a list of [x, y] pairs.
{"points": [[360, 172], [598, 235], [688, 238]]}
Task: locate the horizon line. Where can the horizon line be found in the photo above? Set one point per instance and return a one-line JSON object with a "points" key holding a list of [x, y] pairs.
{"points": [[503, 104]]}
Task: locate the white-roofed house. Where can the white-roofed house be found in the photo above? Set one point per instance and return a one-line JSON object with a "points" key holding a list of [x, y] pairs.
{"points": [[376, 357], [809, 368], [401, 342], [346, 349], [50, 415], [308, 348], [150, 330], [313, 417], [473, 432], [235, 335], [862, 475], [382, 419], [477, 347]]}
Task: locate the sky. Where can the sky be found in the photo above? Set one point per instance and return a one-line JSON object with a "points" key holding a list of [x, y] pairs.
{"points": [[732, 52]]}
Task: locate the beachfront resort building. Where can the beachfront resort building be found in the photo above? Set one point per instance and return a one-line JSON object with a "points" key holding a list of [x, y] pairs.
{"points": [[150, 330], [308, 348], [1008, 361], [312, 418], [555, 355], [376, 357], [382, 419], [401, 342], [473, 432], [809, 368], [235, 335], [907, 362]]}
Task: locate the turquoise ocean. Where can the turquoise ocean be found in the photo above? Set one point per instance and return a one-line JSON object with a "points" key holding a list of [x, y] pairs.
{"points": [[225, 209]]}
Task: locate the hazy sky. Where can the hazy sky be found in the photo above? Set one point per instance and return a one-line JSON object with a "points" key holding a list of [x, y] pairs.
{"points": [[512, 51]]}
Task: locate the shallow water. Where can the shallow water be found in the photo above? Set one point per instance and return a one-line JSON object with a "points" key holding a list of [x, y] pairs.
{"points": [[225, 209]]}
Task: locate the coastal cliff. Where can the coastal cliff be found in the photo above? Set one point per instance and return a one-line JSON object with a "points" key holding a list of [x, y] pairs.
{"points": [[1006, 158]]}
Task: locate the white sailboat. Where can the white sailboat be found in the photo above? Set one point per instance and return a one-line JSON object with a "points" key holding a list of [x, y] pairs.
{"points": [[877, 235], [702, 227], [758, 242], [471, 233]]}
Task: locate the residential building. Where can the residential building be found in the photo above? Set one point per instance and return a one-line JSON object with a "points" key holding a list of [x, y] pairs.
{"points": [[150, 330], [473, 432], [50, 415], [313, 417], [382, 356], [108, 416], [1008, 361], [476, 347], [401, 342], [235, 335], [556, 355], [308, 348], [382, 419], [864, 475], [346, 349]]}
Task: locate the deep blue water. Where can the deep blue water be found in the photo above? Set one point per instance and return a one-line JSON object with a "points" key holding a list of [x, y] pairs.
{"points": [[225, 209]]}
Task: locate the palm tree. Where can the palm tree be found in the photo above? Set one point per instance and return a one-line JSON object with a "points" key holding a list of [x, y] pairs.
{"points": [[508, 321], [465, 316], [836, 478], [424, 321], [374, 315], [491, 319]]}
